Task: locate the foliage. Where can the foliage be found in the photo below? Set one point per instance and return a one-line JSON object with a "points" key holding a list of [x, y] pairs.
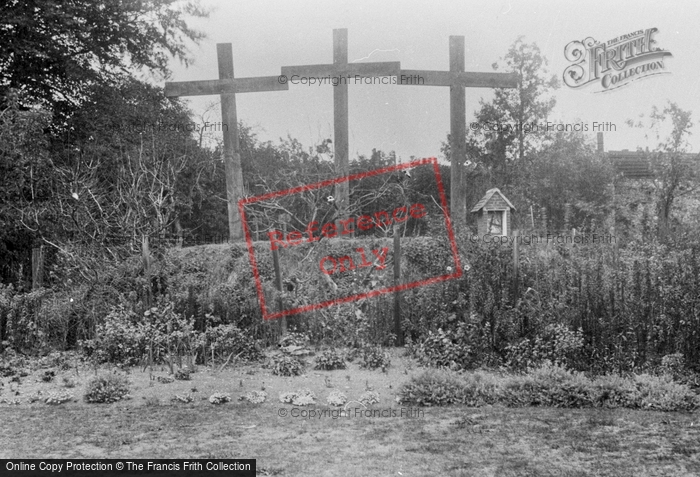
{"points": [[107, 389], [548, 385], [286, 366], [336, 398], [556, 344], [254, 397], [183, 398], [330, 359], [125, 338], [443, 349], [220, 398], [568, 184], [373, 357], [506, 134], [293, 339], [54, 50], [58, 398], [676, 172], [183, 374], [302, 397], [230, 340], [369, 397], [432, 388]]}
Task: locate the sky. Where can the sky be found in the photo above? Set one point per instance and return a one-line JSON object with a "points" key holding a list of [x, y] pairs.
{"points": [[414, 120]]}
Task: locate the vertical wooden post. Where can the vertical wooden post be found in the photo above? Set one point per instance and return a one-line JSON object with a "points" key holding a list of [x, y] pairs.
{"points": [[458, 136], [145, 257], [232, 156], [516, 266], [278, 285], [37, 267], [340, 122], [227, 87], [397, 280]]}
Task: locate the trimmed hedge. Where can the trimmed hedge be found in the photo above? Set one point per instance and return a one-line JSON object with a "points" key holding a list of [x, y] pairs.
{"points": [[548, 385]]}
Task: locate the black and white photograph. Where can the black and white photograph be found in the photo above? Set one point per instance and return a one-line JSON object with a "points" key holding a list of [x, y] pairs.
{"points": [[349, 238]]}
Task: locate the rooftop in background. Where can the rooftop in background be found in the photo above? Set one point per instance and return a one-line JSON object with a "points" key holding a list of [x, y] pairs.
{"points": [[499, 202], [635, 164]]}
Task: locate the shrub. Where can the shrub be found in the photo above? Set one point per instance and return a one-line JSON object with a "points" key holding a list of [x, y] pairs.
{"points": [[613, 390], [288, 397], [106, 389], [661, 393], [554, 385], [254, 397], [230, 340], [374, 357], [58, 398], [302, 397], [330, 359], [336, 398], [369, 397], [183, 374], [119, 339], [293, 339], [673, 363], [548, 385], [440, 349], [220, 398], [183, 398], [287, 366], [432, 388], [556, 344]]}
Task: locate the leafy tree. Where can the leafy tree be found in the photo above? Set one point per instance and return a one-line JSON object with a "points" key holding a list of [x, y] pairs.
{"points": [[25, 172], [570, 182], [505, 135], [53, 49], [675, 171]]}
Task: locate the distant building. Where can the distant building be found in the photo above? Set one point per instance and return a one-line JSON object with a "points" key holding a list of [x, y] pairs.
{"points": [[636, 164], [494, 213]]}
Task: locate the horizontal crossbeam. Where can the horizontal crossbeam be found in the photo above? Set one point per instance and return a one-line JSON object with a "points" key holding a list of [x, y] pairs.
{"points": [[225, 86], [366, 70], [454, 78]]}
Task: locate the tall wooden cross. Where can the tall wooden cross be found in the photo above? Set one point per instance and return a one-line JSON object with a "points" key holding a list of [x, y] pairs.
{"points": [[342, 73], [227, 86], [457, 79]]}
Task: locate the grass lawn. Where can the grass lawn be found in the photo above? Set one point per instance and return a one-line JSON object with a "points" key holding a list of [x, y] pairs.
{"points": [[455, 441]]}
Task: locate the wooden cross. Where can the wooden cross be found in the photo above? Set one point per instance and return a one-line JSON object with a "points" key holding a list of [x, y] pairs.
{"points": [[342, 72], [227, 86], [457, 79]]}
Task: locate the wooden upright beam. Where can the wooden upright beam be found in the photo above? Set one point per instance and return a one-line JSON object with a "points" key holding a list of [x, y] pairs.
{"points": [[458, 135], [457, 79], [227, 86], [342, 73], [232, 158], [340, 122]]}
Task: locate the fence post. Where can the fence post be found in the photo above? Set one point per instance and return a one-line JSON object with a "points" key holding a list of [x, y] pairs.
{"points": [[146, 258], [397, 280], [37, 267], [516, 266], [278, 285]]}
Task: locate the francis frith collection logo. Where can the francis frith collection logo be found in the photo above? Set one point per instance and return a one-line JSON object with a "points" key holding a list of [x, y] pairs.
{"points": [[615, 63]]}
